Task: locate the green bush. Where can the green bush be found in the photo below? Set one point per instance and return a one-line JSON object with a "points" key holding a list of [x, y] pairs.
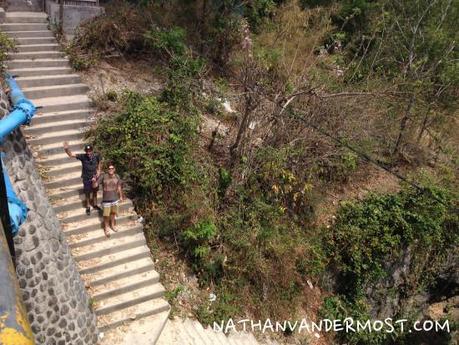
{"points": [[170, 41], [371, 234], [371, 237], [6, 45], [224, 181], [197, 237], [149, 142]]}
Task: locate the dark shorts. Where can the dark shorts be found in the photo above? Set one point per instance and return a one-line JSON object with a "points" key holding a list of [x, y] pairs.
{"points": [[87, 186]]}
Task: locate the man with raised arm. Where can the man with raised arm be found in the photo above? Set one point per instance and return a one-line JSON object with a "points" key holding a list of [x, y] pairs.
{"points": [[90, 172]]}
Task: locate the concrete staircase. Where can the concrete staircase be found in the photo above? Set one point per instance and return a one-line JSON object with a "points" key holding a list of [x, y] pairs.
{"points": [[190, 332], [118, 272]]}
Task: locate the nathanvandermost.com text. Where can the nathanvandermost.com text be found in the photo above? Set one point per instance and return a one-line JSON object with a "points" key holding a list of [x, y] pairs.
{"points": [[348, 325]]}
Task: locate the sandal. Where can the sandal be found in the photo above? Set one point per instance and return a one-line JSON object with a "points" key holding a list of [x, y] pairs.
{"points": [[114, 229], [106, 233]]}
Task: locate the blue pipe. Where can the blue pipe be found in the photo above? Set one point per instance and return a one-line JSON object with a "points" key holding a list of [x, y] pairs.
{"points": [[16, 208], [23, 109]]}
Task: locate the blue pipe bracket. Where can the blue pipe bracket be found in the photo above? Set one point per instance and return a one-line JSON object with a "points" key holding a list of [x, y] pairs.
{"points": [[23, 109]]}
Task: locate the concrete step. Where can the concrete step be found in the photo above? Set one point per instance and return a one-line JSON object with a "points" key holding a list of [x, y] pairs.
{"points": [[65, 192], [64, 171], [81, 215], [240, 338], [99, 236], [7, 27], [126, 300], [193, 334], [136, 267], [55, 126], [25, 17], [86, 256], [55, 137], [219, 337], [54, 80], [76, 204], [29, 63], [157, 307], [51, 54], [106, 263], [45, 39], [46, 119], [37, 47], [209, 337], [54, 91], [70, 180], [83, 228], [56, 160], [20, 34], [54, 104], [180, 335], [43, 71], [45, 150], [133, 288]]}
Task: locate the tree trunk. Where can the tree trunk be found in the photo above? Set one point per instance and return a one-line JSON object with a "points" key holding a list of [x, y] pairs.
{"points": [[240, 133], [403, 124]]}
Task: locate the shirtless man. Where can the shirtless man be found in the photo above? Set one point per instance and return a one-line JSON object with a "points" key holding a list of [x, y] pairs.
{"points": [[112, 195]]}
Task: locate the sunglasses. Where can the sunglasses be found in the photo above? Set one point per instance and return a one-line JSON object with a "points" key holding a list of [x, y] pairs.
{"points": [[111, 168]]}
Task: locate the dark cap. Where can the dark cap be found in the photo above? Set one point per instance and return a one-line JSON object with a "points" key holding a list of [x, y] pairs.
{"points": [[87, 148]]}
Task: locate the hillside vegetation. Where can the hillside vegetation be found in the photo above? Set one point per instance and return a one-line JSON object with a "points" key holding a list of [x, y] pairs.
{"points": [[325, 93]]}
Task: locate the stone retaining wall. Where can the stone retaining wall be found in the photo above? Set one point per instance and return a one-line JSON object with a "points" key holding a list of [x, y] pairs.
{"points": [[53, 292]]}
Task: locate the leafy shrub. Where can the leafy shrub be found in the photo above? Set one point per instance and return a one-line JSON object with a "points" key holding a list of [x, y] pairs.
{"points": [[6, 45], [79, 60], [197, 237], [181, 89], [170, 41], [149, 143], [339, 167], [336, 308], [224, 181], [370, 235]]}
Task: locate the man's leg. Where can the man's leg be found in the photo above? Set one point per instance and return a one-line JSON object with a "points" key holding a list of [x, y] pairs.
{"points": [[94, 199], [106, 225], [106, 220], [87, 202], [113, 219]]}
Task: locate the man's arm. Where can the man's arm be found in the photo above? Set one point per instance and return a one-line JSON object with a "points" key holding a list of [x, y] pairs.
{"points": [[67, 150], [120, 190], [99, 168]]}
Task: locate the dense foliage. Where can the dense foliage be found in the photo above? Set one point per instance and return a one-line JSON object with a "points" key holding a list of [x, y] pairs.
{"points": [[320, 88], [373, 240]]}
